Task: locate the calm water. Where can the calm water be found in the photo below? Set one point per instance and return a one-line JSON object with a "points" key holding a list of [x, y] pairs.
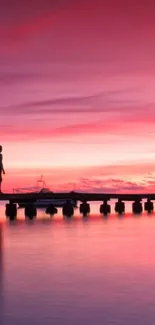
{"points": [[91, 271]]}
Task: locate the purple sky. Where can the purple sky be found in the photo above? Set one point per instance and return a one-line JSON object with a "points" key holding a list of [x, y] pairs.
{"points": [[77, 78]]}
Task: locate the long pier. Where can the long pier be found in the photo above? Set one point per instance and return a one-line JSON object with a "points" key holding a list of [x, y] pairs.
{"points": [[30, 201], [79, 196]]}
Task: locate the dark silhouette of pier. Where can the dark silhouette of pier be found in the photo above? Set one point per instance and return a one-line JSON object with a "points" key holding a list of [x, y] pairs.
{"points": [[30, 200], [79, 196]]}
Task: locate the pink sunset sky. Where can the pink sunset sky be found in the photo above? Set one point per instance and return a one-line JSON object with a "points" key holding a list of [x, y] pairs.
{"points": [[77, 94]]}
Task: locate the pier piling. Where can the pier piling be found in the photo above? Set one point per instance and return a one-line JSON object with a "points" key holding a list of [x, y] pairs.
{"points": [[68, 209], [51, 210], [84, 208], [11, 210], [30, 211], [105, 208], [120, 207], [148, 206], [137, 207]]}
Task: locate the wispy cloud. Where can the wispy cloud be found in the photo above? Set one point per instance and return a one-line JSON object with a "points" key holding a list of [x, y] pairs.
{"points": [[105, 101], [105, 186], [115, 178], [49, 131]]}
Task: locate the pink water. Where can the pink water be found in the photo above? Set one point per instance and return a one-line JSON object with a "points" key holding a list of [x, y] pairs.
{"points": [[92, 271]]}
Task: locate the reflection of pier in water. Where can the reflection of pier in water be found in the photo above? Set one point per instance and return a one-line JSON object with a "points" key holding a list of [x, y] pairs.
{"points": [[30, 199]]}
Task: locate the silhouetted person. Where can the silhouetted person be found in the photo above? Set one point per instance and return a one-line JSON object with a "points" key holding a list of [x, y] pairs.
{"points": [[2, 171]]}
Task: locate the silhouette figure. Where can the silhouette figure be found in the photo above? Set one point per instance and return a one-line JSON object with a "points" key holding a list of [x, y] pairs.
{"points": [[2, 171]]}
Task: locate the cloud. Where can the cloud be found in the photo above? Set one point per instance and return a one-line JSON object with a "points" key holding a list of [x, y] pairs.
{"points": [[109, 179], [37, 19], [105, 186], [28, 132], [88, 184], [32, 132], [97, 102], [37, 16], [48, 129]]}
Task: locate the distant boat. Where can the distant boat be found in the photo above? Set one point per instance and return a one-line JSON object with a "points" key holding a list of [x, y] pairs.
{"points": [[41, 203]]}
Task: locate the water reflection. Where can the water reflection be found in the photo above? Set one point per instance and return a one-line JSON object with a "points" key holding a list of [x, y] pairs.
{"points": [[93, 270]]}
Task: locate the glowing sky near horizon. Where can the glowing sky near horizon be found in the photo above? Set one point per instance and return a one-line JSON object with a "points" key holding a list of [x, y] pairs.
{"points": [[77, 82]]}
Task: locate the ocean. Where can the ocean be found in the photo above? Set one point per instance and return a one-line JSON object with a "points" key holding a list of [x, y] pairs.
{"points": [[91, 270]]}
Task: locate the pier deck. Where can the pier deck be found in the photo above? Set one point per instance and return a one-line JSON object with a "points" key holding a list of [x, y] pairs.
{"points": [[32, 197]]}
